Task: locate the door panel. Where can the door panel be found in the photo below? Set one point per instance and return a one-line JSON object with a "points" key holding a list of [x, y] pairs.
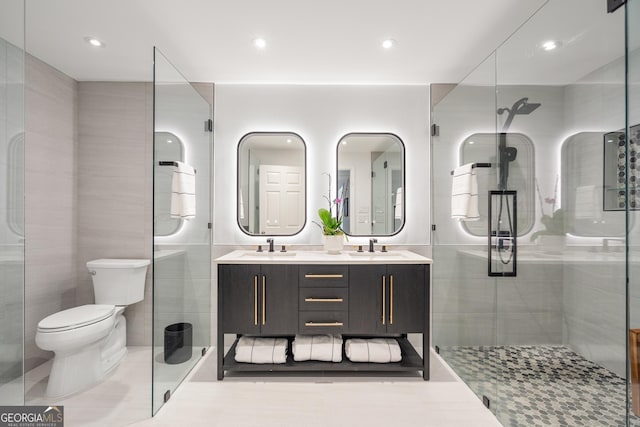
{"points": [[407, 288], [280, 300], [240, 293], [365, 298]]}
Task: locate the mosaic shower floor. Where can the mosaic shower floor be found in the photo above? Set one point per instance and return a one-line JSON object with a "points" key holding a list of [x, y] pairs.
{"points": [[541, 385]]}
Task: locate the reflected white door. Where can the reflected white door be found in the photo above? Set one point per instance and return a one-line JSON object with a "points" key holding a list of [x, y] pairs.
{"points": [[281, 199]]}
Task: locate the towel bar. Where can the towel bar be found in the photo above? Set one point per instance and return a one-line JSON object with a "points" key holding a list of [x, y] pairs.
{"points": [[170, 163], [478, 165]]}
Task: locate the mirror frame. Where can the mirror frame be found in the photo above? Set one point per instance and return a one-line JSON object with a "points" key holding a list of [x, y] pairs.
{"points": [[404, 177], [304, 145]]}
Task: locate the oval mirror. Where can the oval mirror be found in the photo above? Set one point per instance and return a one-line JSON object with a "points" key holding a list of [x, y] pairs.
{"points": [[271, 183], [371, 183]]}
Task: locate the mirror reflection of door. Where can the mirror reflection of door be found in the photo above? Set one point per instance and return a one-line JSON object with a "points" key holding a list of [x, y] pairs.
{"points": [[271, 183], [371, 177], [281, 199]]}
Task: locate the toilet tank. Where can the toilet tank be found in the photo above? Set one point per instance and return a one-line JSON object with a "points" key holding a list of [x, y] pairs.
{"points": [[118, 281]]}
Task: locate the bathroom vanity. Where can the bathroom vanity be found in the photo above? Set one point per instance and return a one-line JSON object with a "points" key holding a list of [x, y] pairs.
{"points": [[307, 292]]}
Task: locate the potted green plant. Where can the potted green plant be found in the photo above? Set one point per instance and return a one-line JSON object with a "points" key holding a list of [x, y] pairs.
{"points": [[331, 225]]}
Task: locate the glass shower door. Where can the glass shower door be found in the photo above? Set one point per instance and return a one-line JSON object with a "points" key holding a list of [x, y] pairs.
{"points": [[182, 236], [633, 214], [464, 296], [12, 229]]}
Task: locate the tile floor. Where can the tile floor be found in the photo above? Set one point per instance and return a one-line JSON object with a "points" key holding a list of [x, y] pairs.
{"points": [[536, 386], [322, 401], [124, 398]]}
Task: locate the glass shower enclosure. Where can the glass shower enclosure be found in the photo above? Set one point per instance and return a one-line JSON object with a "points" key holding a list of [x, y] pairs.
{"points": [[12, 184], [181, 227], [535, 321]]}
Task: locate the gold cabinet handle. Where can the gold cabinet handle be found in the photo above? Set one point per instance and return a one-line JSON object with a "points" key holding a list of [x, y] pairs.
{"points": [[323, 324], [384, 291], [264, 315], [323, 300], [391, 299], [255, 299], [323, 276]]}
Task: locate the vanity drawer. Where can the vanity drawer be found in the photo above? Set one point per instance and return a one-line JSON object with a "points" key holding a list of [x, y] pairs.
{"points": [[323, 299], [323, 322], [324, 275]]}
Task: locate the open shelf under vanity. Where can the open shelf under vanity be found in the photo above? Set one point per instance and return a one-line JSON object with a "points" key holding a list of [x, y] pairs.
{"points": [[411, 362]]}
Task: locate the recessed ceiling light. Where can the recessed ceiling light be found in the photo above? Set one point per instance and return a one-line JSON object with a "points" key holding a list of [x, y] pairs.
{"points": [[551, 45], [170, 141], [94, 41], [388, 43], [472, 142], [260, 43], [344, 142], [288, 140]]}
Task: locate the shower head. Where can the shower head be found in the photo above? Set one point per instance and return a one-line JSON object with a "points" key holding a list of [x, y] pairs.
{"points": [[521, 106]]}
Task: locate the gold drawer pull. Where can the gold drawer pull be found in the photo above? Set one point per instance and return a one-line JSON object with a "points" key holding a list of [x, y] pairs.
{"points": [[255, 299], [264, 311], [384, 302], [391, 302], [323, 276], [323, 324], [323, 300]]}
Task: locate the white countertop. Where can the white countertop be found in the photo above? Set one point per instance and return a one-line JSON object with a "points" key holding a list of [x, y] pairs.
{"points": [[322, 257]]}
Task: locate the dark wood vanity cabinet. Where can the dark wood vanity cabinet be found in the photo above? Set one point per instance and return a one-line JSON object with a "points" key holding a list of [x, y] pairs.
{"points": [[388, 299], [259, 299], [357, 300]]}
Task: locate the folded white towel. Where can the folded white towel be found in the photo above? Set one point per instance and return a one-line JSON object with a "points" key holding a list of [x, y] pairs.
{"points": [[261, 350], [464, 194], [326, 348], [398, 208], [587, 202], [183, 192], [376, 350]]}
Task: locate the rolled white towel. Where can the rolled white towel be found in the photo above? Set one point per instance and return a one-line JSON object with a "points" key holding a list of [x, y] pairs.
{"points": [[375, 350], [261, 350], [326, 348]]}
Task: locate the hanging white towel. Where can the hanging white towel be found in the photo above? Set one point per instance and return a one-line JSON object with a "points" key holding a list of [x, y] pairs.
{"points": [[375, 350], [587, 202], [183, 192], [261, 350], [326, 348], [464, 194], [398, 208]]}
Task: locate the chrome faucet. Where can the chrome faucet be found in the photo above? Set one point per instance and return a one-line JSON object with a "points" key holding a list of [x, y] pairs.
{"points": [[270, 242], [371, 242]]}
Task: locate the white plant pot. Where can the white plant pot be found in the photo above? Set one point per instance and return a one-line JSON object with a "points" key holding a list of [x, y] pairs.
{"points": [[333, 244]]}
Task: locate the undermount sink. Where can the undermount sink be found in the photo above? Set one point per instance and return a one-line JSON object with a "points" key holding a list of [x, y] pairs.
{"points": [[375, 254], [268, 254]]}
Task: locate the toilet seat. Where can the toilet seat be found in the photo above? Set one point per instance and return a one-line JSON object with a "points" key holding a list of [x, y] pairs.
{"points": [[76, 317]]}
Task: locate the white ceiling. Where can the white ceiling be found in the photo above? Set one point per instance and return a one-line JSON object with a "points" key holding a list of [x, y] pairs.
{"points": [[329, 41]]}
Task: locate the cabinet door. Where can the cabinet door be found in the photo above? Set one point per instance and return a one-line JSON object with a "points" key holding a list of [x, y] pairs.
{"points": [[279, 302], [407, 298], [366, 289], [239, 291]]}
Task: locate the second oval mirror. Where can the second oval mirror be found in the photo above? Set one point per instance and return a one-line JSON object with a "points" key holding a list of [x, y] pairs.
{"points": [[371, 183], [271, 183]]}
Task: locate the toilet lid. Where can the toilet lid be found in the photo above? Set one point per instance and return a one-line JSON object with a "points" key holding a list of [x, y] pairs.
{"points": [[76, 317]]}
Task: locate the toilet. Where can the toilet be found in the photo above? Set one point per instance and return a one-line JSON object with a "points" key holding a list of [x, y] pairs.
{"points": [[89, 341]]}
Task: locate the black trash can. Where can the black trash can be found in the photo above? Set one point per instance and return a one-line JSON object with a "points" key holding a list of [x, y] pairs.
{"points": [[178, 340]]}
